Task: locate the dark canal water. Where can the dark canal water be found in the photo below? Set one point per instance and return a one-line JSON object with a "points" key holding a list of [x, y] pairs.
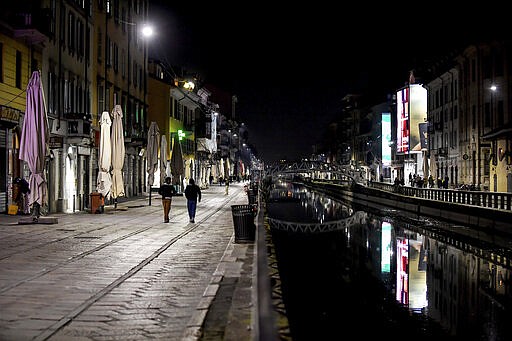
{"points": [[384, 275]]}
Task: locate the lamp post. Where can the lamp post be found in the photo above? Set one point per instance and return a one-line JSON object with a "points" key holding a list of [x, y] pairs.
{"points": [[147, 32], [495, 150]]}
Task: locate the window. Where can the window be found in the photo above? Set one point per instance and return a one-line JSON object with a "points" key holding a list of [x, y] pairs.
{"points": [[123, 19], [1, 63], [62, 26], [66, 95], [18, 69], [135, 74], [140, 77], [72, 90], [116, 57], [53, 15], [107, 99], [108, 56], [52, 97], [486, 67], [501, 117], [498, 64], [71, 33], [487, 115], [473, 118], [100, 40], [101, 100], [123, 63], [473, 70], [80, 41], [116, 11]]}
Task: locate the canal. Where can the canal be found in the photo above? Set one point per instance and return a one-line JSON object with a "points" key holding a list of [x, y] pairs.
{"points": [[375, 274]]}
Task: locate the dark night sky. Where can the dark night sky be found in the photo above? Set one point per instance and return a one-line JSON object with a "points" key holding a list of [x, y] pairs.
{"points": [[290, 65]]}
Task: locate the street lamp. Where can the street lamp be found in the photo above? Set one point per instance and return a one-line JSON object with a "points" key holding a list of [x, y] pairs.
{"points": [[146, 31]]}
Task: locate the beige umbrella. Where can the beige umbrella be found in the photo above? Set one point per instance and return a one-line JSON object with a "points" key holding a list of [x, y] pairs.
{"points": [[118, 152], [227, 169], [104, 181], [221, 168]]}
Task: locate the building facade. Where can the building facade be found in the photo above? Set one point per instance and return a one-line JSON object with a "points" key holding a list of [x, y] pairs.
{"points": [[23, 35]]}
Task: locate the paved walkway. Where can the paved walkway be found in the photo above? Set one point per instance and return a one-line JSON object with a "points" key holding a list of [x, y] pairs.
{"points": [[125, 275]]}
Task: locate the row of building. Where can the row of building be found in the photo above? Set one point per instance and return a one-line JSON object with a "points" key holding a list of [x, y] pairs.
{"points": [[92, 57], [456, 124]]}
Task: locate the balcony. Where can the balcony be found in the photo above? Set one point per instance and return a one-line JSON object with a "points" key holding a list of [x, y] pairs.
{"points": [[78, 128], [28, 21]]}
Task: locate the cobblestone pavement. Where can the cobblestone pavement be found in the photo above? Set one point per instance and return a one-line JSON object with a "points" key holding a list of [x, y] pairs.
{"points": [[126, 275]]}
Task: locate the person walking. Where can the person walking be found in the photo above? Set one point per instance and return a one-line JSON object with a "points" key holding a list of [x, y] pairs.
{"points": [[193, 195], [167, 191]]}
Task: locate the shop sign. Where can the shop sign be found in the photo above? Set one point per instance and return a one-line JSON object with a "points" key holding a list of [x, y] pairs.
{"points": [[56, 142], [9, 114]]}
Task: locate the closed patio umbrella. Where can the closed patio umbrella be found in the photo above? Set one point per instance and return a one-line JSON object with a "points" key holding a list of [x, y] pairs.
{"points": [[34, 143], [177, 169], [152, 154], [104, 181], [164, 151], [118, 152]]}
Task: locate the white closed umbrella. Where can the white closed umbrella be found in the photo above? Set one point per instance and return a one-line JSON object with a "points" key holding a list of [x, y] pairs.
{"points": [[118, 152], [104, 181]]}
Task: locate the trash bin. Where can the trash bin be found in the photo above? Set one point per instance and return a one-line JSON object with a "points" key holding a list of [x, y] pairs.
{"points": [[96, 202], [243, 221]]}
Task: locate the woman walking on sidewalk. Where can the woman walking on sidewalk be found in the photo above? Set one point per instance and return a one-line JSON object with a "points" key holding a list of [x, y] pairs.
{"points": [[167, 191], [193, 195]]}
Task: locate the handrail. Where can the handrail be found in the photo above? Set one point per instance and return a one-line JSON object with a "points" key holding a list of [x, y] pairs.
{"points": [[265, 323], [496, 200]]}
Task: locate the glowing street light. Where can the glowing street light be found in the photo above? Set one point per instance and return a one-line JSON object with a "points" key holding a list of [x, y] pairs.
{"points": [[189, 85], [147, 31]]}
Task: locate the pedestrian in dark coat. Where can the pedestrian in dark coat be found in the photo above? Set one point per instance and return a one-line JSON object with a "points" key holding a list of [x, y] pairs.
{"points": [[167, 191], [193, 195]]}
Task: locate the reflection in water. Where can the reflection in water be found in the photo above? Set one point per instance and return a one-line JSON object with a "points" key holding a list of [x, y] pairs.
{"points": [[386, 277], [312, 207]]}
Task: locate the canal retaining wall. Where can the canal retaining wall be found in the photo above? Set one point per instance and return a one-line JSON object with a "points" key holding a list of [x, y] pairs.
{"points": [[489, 220]]}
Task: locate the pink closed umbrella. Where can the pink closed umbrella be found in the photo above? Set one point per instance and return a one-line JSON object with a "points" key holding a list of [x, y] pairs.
{"points": [[118, 153], [34, 143]]}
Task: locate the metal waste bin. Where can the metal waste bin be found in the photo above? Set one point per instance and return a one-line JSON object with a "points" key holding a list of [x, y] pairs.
{"points": [[243, 221]]}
